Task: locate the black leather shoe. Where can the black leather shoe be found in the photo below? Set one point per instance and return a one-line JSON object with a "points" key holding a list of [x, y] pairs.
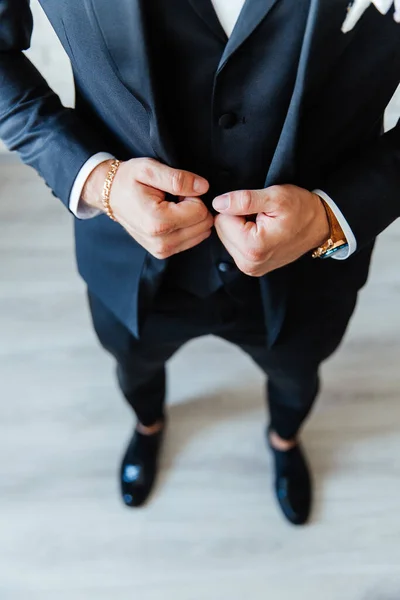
{"points": [[293, 484], [139, 467]]}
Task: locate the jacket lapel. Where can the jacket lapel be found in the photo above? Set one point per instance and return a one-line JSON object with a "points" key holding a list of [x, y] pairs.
{"points": [[323, 37], [128, 49], [253, 12], [205, 10]]}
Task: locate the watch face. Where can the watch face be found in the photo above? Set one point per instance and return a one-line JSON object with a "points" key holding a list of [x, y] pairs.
{"points": [[333, 251]]}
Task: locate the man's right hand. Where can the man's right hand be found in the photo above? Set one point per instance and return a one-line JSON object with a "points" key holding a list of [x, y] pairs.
{"points": [[138, 202]]}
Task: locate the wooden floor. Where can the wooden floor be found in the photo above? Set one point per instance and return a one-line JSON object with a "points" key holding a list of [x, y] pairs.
{"points": [[213, 530]]}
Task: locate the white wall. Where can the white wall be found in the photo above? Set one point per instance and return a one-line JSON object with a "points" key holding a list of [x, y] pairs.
{"points": [[49, 56]]}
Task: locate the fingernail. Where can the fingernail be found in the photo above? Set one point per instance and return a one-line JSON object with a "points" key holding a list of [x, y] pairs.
{"points": [[199, 185], [221, 203]]}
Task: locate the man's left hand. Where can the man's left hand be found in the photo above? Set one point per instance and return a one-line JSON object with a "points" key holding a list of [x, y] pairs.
{"points": [[289, 222]]}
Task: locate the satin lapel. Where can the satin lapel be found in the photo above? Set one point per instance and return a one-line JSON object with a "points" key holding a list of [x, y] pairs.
{"points": [[205, 10], [253, 12]]}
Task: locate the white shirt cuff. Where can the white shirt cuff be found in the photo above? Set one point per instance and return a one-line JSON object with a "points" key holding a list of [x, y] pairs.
{"points": [[351, 240], [76, 204]]}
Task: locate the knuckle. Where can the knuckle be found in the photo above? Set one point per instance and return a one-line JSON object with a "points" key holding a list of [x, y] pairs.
{"points": [[203, 216], [161, 251], [199, 213], [159, 228], [253, 255], [276, 191], [145, 169], [250, 270], [177, 181], [204, 213], [245, 201], [245, 267], [155, 211], [278, 196], [148, 173]]}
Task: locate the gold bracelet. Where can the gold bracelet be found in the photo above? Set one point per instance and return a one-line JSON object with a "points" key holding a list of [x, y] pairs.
{"points": [[107, 189]]}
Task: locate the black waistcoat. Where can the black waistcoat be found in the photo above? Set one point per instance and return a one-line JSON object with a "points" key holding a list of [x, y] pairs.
{"points": [[228, 139]]}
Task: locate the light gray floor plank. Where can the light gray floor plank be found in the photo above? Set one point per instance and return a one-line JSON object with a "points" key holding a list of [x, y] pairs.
{"points": [[212, 530]]}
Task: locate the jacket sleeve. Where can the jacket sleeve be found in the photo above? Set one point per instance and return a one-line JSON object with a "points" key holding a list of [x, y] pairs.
{"points": [[367, 188], [33, 122]]}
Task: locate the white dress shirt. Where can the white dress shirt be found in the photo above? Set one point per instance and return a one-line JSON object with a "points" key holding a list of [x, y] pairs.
{"points": [[228, 12]]}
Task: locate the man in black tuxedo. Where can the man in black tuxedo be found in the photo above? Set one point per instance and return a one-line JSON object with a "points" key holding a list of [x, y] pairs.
{"points": [[248, 134]]}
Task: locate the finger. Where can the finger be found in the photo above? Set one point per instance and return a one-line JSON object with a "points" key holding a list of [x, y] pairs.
{"points": [[235, 230], [184, 234], [242, 202], [188, 212], [172, 181], [165, 248], [157, 217], [243, 241], [162, 218], [193, 242], [166, 245]]}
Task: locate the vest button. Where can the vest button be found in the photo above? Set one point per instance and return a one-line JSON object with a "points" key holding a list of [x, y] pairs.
{"points": [[225, 267], [227, 121]]}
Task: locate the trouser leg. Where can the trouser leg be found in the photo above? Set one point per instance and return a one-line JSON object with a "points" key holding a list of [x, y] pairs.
{"points": [[290, 400], [292, 388], [176, 317], [140, 363], [292, 365]]}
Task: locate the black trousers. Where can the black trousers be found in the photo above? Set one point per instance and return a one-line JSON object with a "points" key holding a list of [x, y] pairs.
{"points": [[292, 365]]}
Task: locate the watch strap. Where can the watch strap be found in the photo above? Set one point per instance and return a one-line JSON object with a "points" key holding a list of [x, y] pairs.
{"points": [[337, 239]]}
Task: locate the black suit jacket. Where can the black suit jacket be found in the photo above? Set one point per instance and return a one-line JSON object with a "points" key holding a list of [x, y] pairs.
{"points": [[329, 136]]}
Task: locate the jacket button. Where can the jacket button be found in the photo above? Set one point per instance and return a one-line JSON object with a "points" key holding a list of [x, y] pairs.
{"points": [[227, 121], [225, 267]]}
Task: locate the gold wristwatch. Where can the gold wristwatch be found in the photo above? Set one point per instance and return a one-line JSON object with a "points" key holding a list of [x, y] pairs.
{"points": [[337, 240]]}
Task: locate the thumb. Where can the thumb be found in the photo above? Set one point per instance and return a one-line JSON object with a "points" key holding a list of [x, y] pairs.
{"points": [[242, 202]]}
